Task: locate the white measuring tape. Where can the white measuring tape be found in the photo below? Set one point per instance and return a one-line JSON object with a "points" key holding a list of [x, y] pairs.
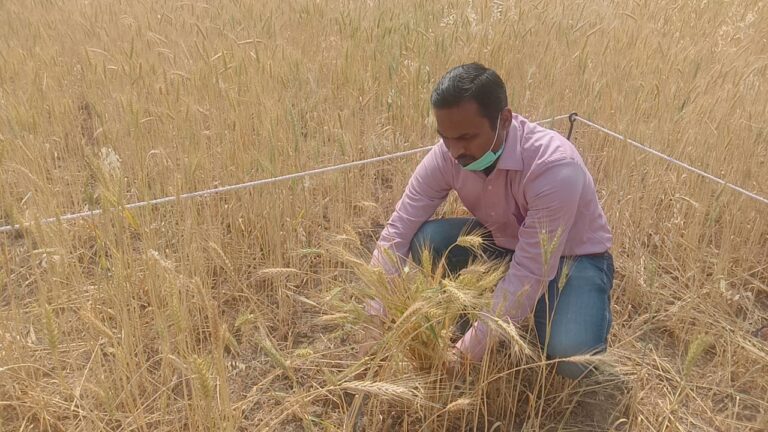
{"points": [[208, 192], [674, 161]]}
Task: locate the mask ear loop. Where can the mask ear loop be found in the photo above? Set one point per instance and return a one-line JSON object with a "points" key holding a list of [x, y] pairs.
{"points": [[498, 123]]}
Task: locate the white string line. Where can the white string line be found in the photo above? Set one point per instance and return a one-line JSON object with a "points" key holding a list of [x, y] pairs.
{"points": [[207, 192], [674, 161]]}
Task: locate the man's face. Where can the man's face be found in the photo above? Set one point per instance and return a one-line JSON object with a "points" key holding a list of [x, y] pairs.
{"points": [[466, 133]]}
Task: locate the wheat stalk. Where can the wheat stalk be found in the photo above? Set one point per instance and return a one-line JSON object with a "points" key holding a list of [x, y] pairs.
{"points": [[276, 273], [385, 390]]}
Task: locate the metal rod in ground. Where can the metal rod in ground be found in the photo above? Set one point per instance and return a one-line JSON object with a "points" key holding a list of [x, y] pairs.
{"points": [[572, 120]]}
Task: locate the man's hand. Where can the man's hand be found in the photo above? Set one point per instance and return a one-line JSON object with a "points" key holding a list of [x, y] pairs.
{"points": [[371, 336], [474, 343], [456, 364]]}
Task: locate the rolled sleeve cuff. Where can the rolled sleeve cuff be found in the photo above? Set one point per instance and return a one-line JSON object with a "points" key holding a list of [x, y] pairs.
{"points": [[475, 342]]}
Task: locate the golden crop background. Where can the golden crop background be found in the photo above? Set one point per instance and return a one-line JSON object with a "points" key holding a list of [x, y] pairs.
{"points": [[210, 314]]}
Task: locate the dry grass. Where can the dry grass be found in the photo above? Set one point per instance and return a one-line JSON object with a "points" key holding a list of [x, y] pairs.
{"points": [[222, 313]]}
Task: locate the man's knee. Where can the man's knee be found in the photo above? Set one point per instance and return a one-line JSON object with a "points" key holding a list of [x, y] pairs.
{"points": [[434, 236], [564, 347], [424, 239]]}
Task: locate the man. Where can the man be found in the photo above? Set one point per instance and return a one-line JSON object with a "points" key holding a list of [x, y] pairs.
{"points": [[529, 187]]}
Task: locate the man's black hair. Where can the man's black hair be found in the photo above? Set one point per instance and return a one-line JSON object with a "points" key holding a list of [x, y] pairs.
{"points": [[472, 81]]}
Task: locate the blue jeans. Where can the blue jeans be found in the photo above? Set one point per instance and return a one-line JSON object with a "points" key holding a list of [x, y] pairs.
{"points": [[578, 317]]}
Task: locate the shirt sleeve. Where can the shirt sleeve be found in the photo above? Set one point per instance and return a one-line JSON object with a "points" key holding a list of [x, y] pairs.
{"points": [[553, 199], [427, 188]]}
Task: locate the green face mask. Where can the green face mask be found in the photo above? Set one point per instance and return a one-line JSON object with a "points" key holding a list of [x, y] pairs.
{"points": [[489, 157]]}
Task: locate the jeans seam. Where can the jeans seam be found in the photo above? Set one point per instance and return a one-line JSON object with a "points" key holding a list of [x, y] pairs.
{"points": [[609, 284]]}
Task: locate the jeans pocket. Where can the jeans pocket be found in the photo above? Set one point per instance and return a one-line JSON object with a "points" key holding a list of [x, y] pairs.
{"points": [[608, 270]]}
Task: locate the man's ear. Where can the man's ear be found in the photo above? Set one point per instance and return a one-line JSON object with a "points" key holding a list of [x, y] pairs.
{"points": [[506, 118]]}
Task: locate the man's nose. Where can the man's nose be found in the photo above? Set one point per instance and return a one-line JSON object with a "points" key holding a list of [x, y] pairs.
{"points": [[454, 149]]}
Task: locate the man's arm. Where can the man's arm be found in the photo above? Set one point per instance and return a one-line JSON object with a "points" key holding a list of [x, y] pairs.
{"points": [[426, 190], [553, 198]]}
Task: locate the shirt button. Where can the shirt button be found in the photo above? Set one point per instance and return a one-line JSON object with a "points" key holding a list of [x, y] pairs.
{"points": [[493, 213], [490, 187]]}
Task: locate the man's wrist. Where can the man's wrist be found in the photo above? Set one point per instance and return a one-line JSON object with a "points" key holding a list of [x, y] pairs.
{"points": [[376, 308], [474, 342]]}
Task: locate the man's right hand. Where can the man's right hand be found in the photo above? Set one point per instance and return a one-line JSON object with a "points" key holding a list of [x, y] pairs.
{"points": [[372, 334]]}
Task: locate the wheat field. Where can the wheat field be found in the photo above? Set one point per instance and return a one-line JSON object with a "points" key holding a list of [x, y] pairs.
{"points": [[240, 311]]}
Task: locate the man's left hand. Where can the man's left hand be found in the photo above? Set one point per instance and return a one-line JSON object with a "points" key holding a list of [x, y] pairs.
{"points": [[474, 343], [456, 364]]}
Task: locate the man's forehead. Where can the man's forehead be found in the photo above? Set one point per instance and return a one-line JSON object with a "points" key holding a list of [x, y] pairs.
{"points": [[466, 108], [456, 121]]}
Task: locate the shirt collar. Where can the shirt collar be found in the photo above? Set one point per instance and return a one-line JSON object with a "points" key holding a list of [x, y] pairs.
{"points": [[512, 156]]}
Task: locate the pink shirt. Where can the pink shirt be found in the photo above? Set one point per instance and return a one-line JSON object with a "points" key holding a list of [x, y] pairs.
{"points": [[540, 186]]}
